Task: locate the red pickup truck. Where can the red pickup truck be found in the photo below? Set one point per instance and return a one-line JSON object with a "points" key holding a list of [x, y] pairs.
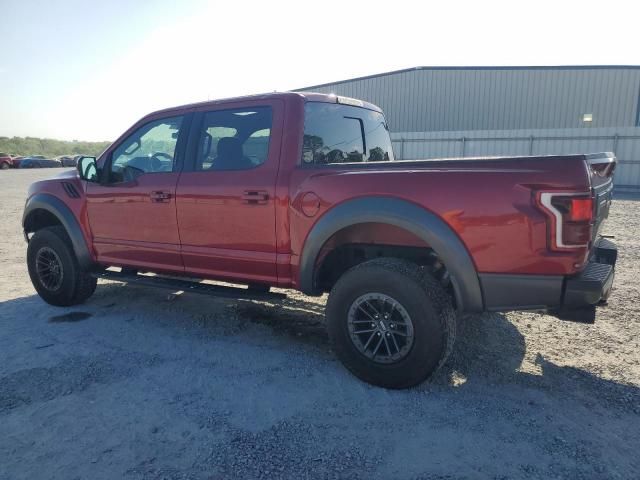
{"points": [[302, 191]]}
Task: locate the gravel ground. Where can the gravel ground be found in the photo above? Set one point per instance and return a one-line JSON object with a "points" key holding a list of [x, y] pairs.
{"points": [[137, 385]]}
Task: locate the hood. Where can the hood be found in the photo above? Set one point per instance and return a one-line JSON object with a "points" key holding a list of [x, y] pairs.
{"points": [[67, 174]]}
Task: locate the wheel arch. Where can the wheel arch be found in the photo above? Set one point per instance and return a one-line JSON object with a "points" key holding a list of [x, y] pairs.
{"points": [[42, 209], [405, 215]]}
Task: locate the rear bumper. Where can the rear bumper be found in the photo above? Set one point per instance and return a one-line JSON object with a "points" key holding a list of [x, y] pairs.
{"points": [[590, 287], [572, 297]]}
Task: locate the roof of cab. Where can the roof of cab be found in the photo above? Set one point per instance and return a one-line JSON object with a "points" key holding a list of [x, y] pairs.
{"points": [[308, 96]]}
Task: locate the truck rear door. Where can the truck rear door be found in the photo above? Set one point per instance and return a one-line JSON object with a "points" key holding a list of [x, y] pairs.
{"points": [[226, 195]]}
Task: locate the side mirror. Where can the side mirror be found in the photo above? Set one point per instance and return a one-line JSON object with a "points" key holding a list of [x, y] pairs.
{"points": [[87, 169]]}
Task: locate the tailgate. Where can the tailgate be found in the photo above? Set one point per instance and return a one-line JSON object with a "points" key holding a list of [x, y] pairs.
{"points": [[601, 167]]}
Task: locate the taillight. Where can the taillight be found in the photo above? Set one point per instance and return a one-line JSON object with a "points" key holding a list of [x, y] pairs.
{"points": [[571, 218], [573, 209]]}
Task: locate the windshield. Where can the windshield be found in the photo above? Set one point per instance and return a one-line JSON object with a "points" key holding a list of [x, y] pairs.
{"points": [[340, 133]]}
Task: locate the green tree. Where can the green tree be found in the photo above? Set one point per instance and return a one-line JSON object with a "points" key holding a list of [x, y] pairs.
{"points": [[49, 147]]}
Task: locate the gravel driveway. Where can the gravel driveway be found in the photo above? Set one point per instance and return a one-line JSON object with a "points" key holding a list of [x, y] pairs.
{"points": [[135, 384]]}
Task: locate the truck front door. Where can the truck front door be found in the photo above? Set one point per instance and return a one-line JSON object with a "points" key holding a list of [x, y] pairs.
{"points": [[132, 212]]}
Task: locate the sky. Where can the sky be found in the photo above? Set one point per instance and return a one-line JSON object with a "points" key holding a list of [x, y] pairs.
{"points": [[87, 70]]}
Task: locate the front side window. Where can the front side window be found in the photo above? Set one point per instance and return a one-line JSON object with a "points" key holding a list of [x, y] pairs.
{"points": [[150, 149], [341, 133], [234, 139]]}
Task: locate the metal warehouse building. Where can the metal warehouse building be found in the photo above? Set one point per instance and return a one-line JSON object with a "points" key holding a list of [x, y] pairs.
{"points": [[467, 111]]}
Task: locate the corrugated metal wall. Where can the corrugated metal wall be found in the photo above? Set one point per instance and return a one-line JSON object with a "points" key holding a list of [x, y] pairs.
{"points": [[442, 99], [624, 142], [498, 110]]}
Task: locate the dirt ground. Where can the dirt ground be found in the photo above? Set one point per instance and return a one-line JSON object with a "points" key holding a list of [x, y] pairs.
{"points": [[135, 385]]}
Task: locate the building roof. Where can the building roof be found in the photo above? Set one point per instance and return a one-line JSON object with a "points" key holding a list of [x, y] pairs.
{"points": [[495, 68]]}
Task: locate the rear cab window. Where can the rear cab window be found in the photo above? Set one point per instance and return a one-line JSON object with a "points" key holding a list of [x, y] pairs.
{"points": [[335, 133]]}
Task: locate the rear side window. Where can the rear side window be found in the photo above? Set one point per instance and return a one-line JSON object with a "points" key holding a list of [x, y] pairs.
{"points": [[341, 133], [234, 139]]}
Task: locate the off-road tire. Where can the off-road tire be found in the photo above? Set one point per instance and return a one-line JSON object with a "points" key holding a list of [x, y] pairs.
{"points": [[76, 285], [423, 298]]}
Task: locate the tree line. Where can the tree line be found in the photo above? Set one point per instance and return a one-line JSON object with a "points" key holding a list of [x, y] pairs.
{"points": [[49, 147]]}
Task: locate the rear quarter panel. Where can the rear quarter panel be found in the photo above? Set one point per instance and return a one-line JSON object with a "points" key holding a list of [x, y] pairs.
{"points": [[487, 202]]}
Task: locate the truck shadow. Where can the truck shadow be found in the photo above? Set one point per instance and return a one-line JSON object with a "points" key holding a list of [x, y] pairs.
{"points": [[488, 354], [300, 319], [487, 344]]}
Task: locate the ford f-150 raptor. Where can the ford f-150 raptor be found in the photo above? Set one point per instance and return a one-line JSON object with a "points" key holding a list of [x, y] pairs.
{"points": [[302, 191]]}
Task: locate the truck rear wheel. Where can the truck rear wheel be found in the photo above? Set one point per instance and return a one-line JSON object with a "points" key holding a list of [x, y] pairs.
{"points": [[54, 269], [390, 322]]}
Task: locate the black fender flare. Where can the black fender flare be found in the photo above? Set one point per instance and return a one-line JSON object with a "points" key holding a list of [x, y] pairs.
{"points": [[401, 213], [55, 206]]}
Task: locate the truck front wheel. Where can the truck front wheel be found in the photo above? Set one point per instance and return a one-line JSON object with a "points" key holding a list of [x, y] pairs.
{"points": [[54, 269], [390, 322]]}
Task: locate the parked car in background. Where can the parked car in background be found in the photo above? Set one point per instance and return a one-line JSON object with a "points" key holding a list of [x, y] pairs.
{"points": [[38, 161], [6, 161], [16, 161], [68, 161]]}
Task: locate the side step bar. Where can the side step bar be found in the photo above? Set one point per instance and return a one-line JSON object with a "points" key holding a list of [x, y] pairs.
{"points": [[187, 286]]}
